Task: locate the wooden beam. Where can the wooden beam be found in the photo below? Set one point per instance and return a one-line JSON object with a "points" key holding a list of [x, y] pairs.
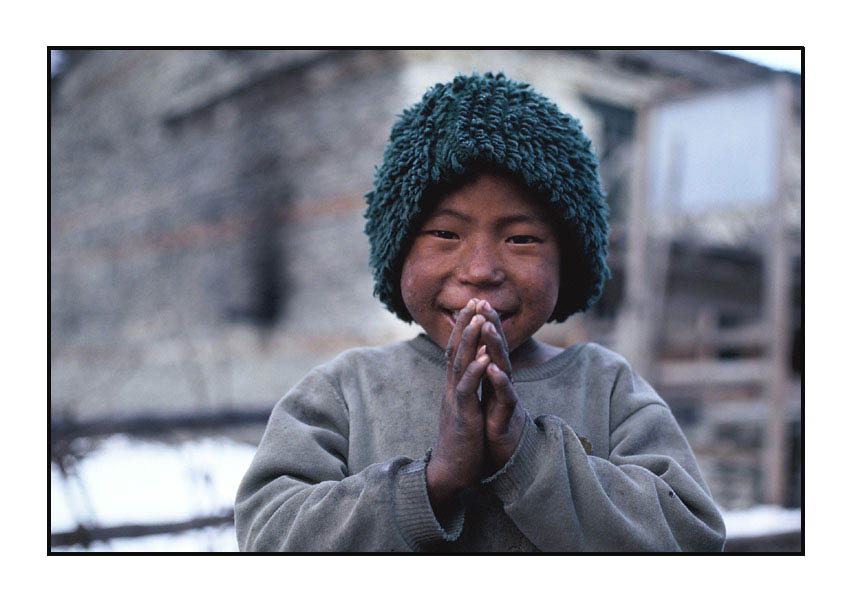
{"points": [[778, 297], [712, 373], [711, 339], [86, 536], [64, 430], [785, 542]]}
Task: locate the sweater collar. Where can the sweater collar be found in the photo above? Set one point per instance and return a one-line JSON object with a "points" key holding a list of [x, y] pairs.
{"points": [[436, 355]]}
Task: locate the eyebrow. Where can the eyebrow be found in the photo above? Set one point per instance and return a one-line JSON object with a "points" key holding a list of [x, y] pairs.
{"points": [[500, 222]]}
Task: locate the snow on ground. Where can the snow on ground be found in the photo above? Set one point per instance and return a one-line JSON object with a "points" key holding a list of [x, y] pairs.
{"points": [[761, 519], [133, 481]]}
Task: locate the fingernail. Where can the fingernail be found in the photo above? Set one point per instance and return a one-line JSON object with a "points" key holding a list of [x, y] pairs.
{"points": [[470, 303], [487, 306], [477, 319]]}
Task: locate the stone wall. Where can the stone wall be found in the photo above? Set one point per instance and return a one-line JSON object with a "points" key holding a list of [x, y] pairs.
{"points": [[200, 238]]}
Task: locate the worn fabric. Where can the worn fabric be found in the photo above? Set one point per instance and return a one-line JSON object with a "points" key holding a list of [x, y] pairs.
{"points": [[341, 466], [490, 122]]}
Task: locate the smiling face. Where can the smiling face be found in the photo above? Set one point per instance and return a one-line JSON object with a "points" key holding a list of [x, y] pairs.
{"points": [[489, 239]]}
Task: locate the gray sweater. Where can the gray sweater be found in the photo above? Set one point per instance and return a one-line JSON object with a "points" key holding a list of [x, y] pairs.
{"points": [[341, 466]]}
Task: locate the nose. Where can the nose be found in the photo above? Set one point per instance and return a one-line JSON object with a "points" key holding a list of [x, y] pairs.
{"points": [[480, 266]]}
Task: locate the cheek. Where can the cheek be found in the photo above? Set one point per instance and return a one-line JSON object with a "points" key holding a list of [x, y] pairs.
{"points": [[408, 286], [542, 289], [416, 289]]}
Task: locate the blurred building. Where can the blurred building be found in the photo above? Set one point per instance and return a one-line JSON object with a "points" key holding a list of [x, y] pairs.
{"points": [[207, 243]]}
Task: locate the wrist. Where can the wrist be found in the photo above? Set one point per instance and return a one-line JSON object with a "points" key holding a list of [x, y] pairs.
{"points": [[502, 446], [440, 488], [501, 451]]}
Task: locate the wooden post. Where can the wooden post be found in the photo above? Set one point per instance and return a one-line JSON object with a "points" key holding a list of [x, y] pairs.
{"points": [[778, 300], [661, 249], [647, 254], [632, 332]]}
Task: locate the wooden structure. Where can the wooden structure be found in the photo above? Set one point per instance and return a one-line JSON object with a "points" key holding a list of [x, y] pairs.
{"points": [[755, 382]]}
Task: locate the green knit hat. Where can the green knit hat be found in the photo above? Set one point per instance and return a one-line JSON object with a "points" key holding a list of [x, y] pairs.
{"points": [[500, 124]]}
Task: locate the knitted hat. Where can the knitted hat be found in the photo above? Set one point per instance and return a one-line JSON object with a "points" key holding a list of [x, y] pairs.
{"points": [[495, 122]]}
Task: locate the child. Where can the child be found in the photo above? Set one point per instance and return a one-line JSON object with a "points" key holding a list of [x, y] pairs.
{"points": [[486, 221]]}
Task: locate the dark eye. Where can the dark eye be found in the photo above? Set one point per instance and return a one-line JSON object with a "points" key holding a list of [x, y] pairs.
{"points": [[442, 234], [523, 239]]}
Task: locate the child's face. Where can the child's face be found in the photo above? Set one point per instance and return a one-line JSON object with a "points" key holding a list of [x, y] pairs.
{"points": [[488, 240]]}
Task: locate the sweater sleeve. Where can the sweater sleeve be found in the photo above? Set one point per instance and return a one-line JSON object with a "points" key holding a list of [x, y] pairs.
{"points": [[648, 495], [298, 494]]}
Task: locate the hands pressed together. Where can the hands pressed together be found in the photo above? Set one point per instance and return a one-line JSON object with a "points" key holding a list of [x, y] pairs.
{"points": [[476, 436]]}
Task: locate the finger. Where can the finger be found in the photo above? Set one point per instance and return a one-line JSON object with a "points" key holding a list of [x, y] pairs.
{"points": [[484, 308], [467, 347], [496, 347], [500, 406], [480, 352], [467, 387], [464, 316]]}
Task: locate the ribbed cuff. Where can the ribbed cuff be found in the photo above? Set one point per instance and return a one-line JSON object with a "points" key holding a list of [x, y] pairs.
{"points": [[509, 482], [414, 514]]}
